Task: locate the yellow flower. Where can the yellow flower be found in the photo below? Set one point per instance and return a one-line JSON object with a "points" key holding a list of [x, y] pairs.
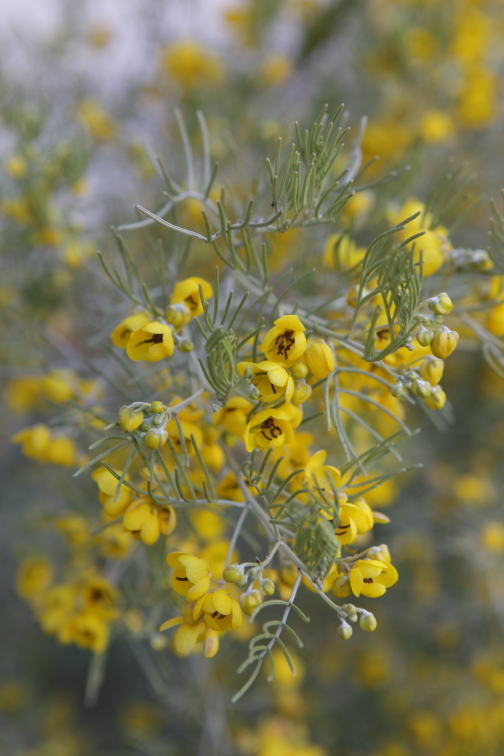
{"points": [[190, 64], [100, 124], [146, 520], [190, 576], [478, 98], [35, 442], [34, 576], [268, 429], [436, 126], [121, 333], [150, 343], [272, 380], [234, 415], [276, 69], [355, 519], [286, 342], [371, 577], [188, 429], [341, 253], [433, 246], [495, 320], [107, 485], [59, 386], [87, 630], [319, 358], [22, 394], [187, 293], [191, 632], [219, 610]]}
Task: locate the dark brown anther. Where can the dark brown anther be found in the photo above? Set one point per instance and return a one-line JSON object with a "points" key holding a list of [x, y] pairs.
{"points": [[368, 580], [269, 425], [183, 580]]}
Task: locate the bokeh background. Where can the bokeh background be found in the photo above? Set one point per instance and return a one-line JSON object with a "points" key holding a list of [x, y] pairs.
{"points": [[87, 93]]}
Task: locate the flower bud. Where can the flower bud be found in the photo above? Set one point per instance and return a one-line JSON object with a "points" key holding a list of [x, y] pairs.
{"points": [[431, 370], [424, 337], [441, 304], [299, 370], [302, 392], [155, 438], [248, 373], [253, 393], [178, 316], [397, 390], [422, 389], [443, 344], [234, 573], [267, 586], [341, 587], [437, 319], [185, 345], [345, 631], [368, 623], [320, 359], [437, 399], [250, 601], [129, 420], [156, 408]]}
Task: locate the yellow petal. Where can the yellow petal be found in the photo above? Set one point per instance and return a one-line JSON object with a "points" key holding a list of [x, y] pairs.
{"points": [[170, 623]]}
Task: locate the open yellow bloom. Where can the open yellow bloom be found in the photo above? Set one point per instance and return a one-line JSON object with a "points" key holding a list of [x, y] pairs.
{"points": [[371, 577], [190, 64], [190, 577], [187, 293], [150, 343], [33, 579], [286, 342], [190, 633], [355, 519], [268, 429], [121, 333], [107, 485], [316, 473], [146, 520], [234, 415], [219, 610], [433, 246], [272, 380], [37, 443]]}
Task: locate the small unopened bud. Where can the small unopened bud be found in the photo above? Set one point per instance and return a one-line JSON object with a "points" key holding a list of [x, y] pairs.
{"points": [[397, 390], [229, 439], [267, 586], [248, 373], [299, 370], [437, 399], [443, 343], [178, 316], [422, 389], [234, 573], [441, 304], [431, 370], [129, 420], [250, 601], [319, 358], [185, 345], [155, 438], [302, 392], [341, 587], [437, 319], [253, 393], [146, 424], [424, 337], [368, 623], [345, 631], [157, 408]]}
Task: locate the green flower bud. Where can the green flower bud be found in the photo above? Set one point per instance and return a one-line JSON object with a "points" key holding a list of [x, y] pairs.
{"points": [[234, 573], [345, 631], [253, 393], [248, 373], [397, 390], [299, 370], [441, 304], [302, 392], [368, 623], [155, 438], [185, 345], [250, 601], [422, 389], [424, 337], [267, 586], [157, 408]]}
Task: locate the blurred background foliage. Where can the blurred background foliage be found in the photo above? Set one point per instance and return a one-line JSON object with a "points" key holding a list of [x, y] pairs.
{"points": [[85, 104]]}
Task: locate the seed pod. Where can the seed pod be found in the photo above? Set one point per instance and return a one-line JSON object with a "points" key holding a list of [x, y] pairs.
{"points": [[431, 370], [443, 344], [368, 623]]}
